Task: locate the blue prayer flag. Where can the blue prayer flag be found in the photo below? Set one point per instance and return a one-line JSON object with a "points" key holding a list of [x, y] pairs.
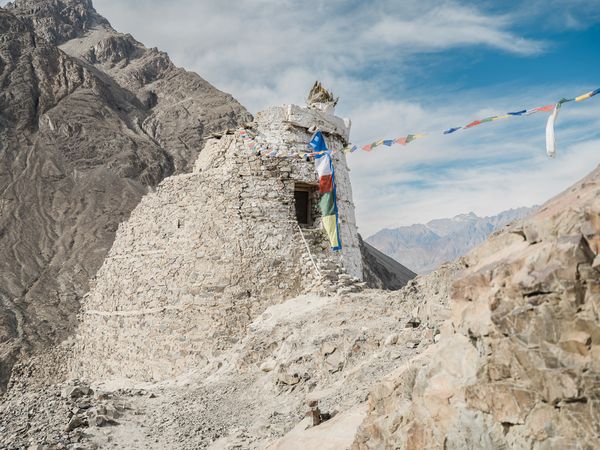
{"points": [[318, 142], [452, 130], [517, 113], [388, 142]]}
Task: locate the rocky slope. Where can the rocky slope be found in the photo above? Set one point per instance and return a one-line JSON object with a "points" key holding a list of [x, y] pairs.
{"points": [[311, 349], [517, 365], [87, 124], [496, 351], [423, 247], [381, 271]]}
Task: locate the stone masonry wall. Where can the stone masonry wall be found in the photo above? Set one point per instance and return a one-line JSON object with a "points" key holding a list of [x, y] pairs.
{"points": [[289, 126], [206, 252], [198, 259]]}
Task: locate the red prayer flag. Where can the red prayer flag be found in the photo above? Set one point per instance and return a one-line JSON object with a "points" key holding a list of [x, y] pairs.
{"points": [[472, 124], [325, 184], [545, 108]]}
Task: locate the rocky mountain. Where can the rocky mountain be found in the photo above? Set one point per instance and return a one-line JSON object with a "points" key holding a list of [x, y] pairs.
{"points": [[90, 120], [516, 365], [423, 247]]}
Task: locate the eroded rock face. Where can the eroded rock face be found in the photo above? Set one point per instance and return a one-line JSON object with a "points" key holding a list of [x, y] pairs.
{"points": [[77, 152], [517, 365], [181, 108], [57, 21]]}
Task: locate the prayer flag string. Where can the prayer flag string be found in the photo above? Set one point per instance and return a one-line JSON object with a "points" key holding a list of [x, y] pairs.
{"points": [[278, 150], [550, 140]]}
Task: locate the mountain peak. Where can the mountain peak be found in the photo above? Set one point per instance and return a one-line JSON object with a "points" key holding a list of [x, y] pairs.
{"points": [[423, 248], [58, 21], [465, 217]]}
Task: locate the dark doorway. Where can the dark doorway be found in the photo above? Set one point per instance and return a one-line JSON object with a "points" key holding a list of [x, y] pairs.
{"points": [[302, 206]]}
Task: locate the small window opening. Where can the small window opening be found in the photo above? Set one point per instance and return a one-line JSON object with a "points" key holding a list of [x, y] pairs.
{"points": [[302, 207], [303, 199]]}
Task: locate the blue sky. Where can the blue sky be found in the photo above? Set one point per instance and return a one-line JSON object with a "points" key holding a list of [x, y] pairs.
{"points": [[407, 66]]}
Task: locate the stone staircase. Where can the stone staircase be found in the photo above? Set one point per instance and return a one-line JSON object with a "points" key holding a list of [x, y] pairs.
{"points": [[333, 277]]}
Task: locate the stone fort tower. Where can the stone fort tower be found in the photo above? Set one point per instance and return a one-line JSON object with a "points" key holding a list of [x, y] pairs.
{"points": [[206, 252]]}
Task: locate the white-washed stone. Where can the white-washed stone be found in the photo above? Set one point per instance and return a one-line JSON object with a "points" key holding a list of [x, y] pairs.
{"points": [[207, 252]]}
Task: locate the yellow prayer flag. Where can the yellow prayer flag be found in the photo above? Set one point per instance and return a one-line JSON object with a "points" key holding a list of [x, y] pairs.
{"points": [[584, 97], [330, 227]]}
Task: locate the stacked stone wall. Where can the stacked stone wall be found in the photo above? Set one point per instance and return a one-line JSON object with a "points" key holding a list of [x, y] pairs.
{"points": [[196, 261], [293, 127], [207, 252]]}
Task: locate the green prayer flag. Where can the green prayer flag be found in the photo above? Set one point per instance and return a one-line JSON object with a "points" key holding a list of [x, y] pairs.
{"points": [[327, 204]]}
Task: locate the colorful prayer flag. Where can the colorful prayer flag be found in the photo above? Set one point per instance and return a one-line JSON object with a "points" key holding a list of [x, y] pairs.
{"points": [[323, 166], [545, 108], [331, 229], [325, 183], [550, 140], [328, 202], [452, 130], [584, 96], [318, 142]]}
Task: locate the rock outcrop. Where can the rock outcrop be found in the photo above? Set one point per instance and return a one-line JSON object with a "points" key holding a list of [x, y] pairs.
{"points": [[381, 271], [79, 146], [517, 365]]}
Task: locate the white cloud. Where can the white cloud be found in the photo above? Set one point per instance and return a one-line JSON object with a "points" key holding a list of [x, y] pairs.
{"points": [[272, 51], [448, 26]]}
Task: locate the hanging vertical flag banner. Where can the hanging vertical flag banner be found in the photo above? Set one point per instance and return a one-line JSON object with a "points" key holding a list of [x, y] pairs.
{"points": [[550, 139], [328, 202]]}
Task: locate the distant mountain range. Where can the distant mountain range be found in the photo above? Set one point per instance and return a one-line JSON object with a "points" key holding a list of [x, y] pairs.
{"points": [[423, 247]]}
